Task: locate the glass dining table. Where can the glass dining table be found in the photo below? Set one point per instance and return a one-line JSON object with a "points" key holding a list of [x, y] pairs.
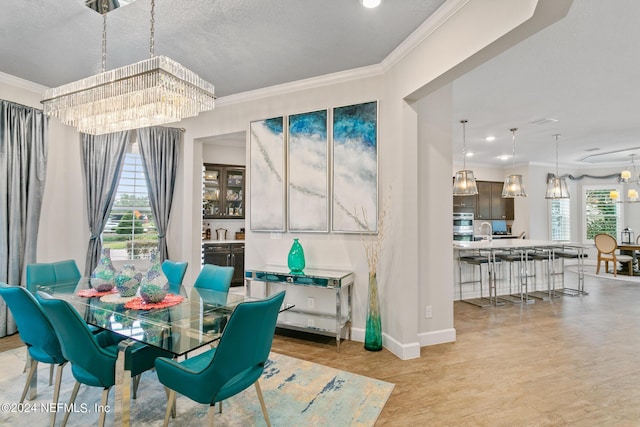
{"points": [[178, 325]]}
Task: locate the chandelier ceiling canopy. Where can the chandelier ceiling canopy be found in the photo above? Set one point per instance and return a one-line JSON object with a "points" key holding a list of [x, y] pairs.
{"points": [[151, 92]]}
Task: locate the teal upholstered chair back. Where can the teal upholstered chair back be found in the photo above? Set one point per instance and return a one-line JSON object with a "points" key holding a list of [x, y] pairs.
{"points": [[52, 273], [33, 324], [91, 364], [214, 277], [175, 271], [242, 351]]}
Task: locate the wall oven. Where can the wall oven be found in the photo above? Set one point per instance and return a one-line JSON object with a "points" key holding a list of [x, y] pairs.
{"points": [[463, 226]]}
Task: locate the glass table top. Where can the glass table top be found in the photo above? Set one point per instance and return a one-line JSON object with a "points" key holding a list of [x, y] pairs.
{"points": [[196, 321]]}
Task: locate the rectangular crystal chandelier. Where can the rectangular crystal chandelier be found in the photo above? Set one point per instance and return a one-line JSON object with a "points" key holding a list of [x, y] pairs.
{"points": [[151, 92]]}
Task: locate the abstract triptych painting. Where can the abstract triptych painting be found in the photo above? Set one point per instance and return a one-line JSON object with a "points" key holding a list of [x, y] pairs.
{"points": [[331, 173]]}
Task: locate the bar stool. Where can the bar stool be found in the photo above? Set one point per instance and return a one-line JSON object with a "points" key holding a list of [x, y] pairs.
{"points": [[545, 257], [573, 253], [521, 257], [478, 261]]}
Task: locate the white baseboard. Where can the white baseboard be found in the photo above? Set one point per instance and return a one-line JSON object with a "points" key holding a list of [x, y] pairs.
{"points": [[410, 350], [437, 337]]}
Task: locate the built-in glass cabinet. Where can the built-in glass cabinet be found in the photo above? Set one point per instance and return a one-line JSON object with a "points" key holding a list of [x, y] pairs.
{"points": [[223, 191]]}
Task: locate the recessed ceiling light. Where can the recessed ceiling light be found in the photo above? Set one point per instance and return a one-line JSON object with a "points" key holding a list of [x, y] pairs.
{"points": [[370, 4], [490, 138], [470, 154], [504, 157]]}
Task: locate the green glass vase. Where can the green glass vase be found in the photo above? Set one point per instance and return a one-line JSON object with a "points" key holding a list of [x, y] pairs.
{"points": [[373, 331], [296, 258]]}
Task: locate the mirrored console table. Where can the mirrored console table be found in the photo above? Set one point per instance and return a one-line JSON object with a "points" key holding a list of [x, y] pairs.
{"points": [[309, 303]]}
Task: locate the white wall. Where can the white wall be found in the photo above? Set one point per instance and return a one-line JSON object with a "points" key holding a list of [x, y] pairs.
{"points": [[435, 267]]}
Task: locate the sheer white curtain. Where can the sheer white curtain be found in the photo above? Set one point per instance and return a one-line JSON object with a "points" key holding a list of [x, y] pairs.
{"points": [[23, 165]]}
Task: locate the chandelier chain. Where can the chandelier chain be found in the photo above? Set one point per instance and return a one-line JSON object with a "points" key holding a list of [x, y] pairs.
{"points": [[513, 150], [105, 9], [464, 144], [557, 173], [153, 29]]}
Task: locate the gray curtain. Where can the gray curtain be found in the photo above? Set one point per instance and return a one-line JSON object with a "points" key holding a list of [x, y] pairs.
{"points": [[102, 160], [23, 166], [159, 149]]}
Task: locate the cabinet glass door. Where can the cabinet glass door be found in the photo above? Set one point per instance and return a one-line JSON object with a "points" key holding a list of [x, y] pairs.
{"points": [[211, 200], [234, 192]]}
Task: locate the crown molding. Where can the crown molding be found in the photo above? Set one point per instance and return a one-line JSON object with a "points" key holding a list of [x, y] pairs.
{"points": [[299, 85], [22, 83], [423, 32]]}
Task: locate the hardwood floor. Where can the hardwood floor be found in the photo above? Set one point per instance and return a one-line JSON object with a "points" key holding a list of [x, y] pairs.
{"points": [[572, 361]]}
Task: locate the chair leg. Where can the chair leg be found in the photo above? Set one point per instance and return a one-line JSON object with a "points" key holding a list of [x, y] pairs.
{"points": [[74, 393], [50, 375], [170, 404], [212, 412], [167, 391], [103, 404], [32, 369], [262, 405], [56, 392], [136, 383], [220, 407]]}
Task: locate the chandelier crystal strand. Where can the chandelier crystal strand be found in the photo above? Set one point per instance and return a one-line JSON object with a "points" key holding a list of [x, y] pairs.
{"points": [[151, 92]]}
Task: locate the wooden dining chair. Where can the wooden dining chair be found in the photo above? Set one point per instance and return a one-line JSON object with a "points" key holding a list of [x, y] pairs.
{"points": [[607, 247]]}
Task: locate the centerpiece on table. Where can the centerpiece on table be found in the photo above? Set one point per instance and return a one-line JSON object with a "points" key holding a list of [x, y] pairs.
{"points": [[102, 278], [128, 280], [154, 285]]}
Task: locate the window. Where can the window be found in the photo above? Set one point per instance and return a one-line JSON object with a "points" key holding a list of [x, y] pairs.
{"points": [[602, 215], [560, 219], [130, 231]]}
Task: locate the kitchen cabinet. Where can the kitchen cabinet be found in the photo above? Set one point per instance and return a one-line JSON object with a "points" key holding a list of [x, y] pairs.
{"points": [[226, 254], [466, 204], [223, 191], [490, 204]]}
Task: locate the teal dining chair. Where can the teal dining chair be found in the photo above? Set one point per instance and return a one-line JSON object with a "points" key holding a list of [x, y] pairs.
{"points": [[93, 356], [52, 273], [234, 365], [215, 277], [37, 333], [175, 271]]}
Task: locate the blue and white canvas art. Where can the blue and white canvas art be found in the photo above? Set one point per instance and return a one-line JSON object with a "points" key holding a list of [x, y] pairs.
{"points": [[308, 172], [267, 175], [355, 168]]}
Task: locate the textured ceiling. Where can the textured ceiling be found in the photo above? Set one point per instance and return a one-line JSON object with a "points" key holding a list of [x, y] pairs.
{"points": [[238, 45], [583, 71]]}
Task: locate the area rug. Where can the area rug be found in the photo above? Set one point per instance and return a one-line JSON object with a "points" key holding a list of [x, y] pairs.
{"points": [[296, 392]]}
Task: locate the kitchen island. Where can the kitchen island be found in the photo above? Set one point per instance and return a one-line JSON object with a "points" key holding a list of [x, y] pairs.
{"points": [[514, 270]]}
